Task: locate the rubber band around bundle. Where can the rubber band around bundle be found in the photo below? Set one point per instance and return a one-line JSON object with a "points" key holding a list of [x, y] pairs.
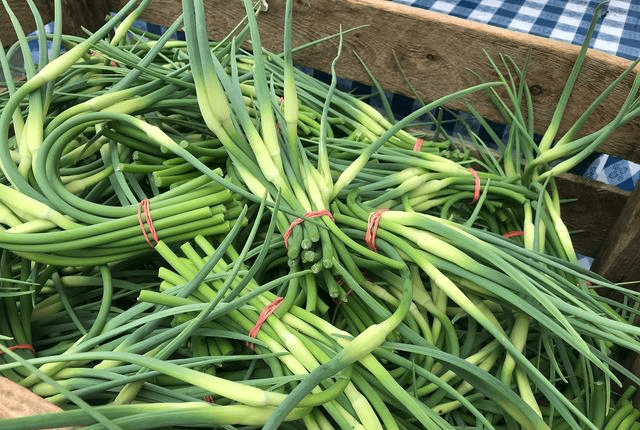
{"points": [[295, 222], [21, 346], [372, 228], [144, 207], [112, 63], [209, 399], [418, 145], [268, 310], [514, 233], [476, 188]]}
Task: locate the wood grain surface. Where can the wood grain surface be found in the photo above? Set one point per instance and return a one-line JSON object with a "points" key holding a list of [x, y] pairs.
{"points": [[17, 401], [438, 52], [593, 209], [21, 9], [617, 258], [77, 15]]}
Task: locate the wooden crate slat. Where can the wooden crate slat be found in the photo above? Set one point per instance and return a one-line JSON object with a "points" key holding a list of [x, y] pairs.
{"points": [[18, 401], [76, 14], [617, 258], [22, 11], [595, 209]]}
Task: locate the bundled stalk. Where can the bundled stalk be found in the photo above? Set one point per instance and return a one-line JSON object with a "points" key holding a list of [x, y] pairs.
{"points": [[92, 185]]}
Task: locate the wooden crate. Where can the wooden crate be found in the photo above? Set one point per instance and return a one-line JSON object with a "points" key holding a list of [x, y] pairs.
{"points": [[436, 52]]}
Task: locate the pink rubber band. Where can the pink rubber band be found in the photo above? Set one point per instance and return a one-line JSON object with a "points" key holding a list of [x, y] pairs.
{"points": [[476, 189], [143, 207], [313, 214], [372, 228], [514, 233], [21, 346], [268, 310]]}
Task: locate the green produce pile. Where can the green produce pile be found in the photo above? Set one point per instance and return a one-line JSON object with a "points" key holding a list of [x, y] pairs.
{"points": [[195, 234]]}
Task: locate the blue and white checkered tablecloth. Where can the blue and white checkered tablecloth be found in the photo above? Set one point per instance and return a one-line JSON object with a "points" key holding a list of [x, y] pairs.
{"points": [[617, 33]]}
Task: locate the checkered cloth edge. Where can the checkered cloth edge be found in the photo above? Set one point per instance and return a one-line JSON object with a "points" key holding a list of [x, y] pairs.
{"points": [[617, 33]]}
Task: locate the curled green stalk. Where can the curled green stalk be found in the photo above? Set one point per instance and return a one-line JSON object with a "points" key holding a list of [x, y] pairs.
{"points": [[357, 348], [554, 125], [46, 74], [350, 173]]}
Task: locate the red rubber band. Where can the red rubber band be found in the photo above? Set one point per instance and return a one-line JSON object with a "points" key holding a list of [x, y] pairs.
{"points": [[268, 310], [21, 346], [112, 63], [144, 207], [418, 145], [287, 234], [313, 214], [514, 233], [372, 228], [476, 189], [209, 399]]}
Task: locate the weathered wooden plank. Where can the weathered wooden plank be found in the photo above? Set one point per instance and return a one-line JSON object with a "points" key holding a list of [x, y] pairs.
{"points": [[595, 209], [93, 15], [436, 52], [21, 9], [76, 14], [617, 258], [18, 401]]}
